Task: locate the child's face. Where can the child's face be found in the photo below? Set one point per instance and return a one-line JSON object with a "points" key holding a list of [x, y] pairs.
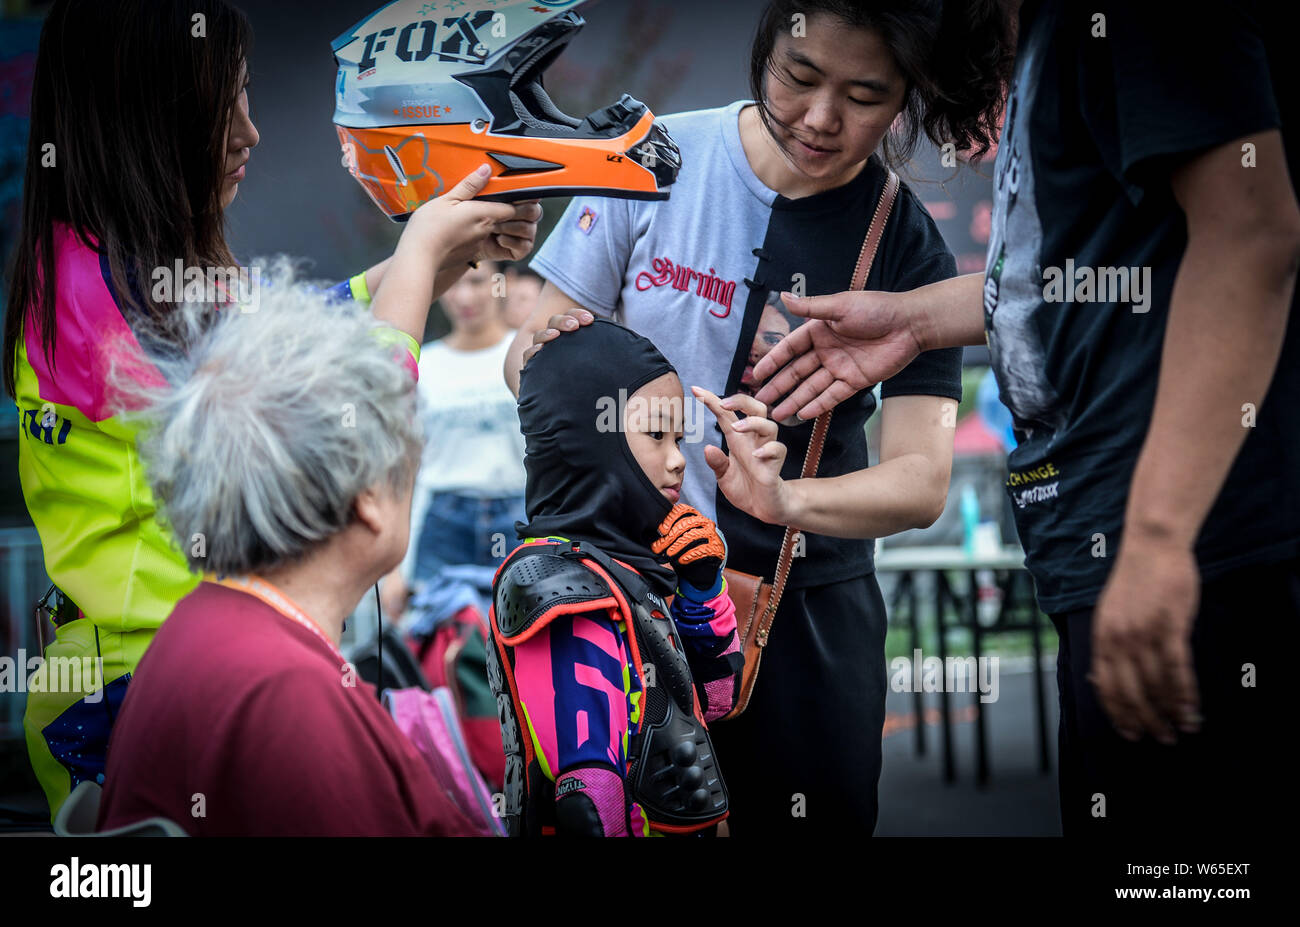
{"points": [[652, 423]]}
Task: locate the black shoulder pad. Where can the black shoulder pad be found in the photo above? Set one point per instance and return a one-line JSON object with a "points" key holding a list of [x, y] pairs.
{"points": [[533, 583]]}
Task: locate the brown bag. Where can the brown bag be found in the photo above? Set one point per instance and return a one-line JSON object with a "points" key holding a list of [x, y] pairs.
{"points": [[757, 600]]}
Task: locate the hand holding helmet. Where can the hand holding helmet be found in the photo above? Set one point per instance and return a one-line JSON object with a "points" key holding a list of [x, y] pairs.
{"points": [[463, 229]]}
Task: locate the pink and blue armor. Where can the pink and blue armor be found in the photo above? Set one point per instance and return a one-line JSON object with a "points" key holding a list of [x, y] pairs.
{"points": [[609, 706]]}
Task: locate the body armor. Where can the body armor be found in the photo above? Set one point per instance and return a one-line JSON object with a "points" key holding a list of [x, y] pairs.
{"points": [[672, 772]]}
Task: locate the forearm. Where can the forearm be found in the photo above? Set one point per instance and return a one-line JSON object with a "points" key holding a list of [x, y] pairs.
{"points": [[406, 292], [875, 502], [375, 275], [707, 625], [446, 276], [515, 356], [947, 314], [1214, 362]]}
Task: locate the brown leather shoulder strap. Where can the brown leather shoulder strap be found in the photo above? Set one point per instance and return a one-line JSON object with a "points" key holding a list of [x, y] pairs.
{"points": [[875, 232], [860, 272]]}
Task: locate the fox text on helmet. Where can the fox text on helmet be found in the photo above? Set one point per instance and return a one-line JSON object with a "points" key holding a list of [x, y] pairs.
{"points": [[421, 100]]}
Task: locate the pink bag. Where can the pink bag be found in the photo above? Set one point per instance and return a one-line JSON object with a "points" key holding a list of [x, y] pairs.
{"points": [[429, 721]]}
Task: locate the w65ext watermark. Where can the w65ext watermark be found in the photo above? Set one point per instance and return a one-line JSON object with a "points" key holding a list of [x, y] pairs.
{"points": [[236, 286]]}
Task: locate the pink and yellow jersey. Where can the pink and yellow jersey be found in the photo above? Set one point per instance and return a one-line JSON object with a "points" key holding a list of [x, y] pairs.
{"points": [[81, 476]]}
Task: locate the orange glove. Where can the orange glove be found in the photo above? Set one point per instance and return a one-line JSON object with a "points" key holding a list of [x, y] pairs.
{"points": [[694, 546]]}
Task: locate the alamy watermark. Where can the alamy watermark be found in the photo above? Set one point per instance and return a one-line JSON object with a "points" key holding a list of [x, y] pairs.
{"points": [[1085, 284], [956, 674], [75, 879], [644, 413], [55, 674], [239, 286]]}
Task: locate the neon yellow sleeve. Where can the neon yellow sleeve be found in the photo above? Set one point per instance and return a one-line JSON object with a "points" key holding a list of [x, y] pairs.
{"points": [[395, 336], [357, 285]]}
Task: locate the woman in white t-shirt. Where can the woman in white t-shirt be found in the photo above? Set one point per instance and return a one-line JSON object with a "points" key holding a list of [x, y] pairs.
{"points": [[776, 194], [470, 488]]}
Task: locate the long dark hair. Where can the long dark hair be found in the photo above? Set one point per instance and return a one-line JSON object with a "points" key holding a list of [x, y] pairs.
{"points": [[955, 55], [137, 108]]}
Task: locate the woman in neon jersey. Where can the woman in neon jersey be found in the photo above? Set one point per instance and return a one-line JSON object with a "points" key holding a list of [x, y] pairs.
{"points": [[140, 133]]}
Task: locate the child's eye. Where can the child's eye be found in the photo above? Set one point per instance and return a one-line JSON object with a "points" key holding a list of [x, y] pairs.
{"points": [[657, 435], [679, 439]]}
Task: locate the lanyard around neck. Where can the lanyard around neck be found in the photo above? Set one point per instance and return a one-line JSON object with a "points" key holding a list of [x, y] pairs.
{"points": [[283, 605]]}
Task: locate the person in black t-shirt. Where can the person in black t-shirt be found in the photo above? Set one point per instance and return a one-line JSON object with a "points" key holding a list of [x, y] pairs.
{"points": [[1138, 305]]}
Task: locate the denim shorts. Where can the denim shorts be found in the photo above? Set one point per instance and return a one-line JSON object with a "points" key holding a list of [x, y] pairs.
{"points": [[462, 529]]}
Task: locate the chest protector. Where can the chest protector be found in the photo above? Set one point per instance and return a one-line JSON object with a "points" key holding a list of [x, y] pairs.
{"points": [[672, 772]]}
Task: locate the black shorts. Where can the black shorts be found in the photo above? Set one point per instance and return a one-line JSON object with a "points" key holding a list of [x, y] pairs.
{"points": [[805, 756]]}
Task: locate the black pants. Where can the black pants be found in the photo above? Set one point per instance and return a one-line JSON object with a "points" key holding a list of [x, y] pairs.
{"points": [[804, 758], [1220, 782]]}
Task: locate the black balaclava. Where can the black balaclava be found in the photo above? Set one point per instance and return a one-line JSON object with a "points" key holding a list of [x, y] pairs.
{"points": [[583, 482]]}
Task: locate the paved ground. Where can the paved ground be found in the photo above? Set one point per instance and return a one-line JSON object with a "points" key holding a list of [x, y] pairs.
{"points": [[1018, 801]]}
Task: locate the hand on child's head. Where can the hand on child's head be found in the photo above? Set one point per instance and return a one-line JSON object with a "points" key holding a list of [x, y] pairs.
{"points": [[556, 325]]}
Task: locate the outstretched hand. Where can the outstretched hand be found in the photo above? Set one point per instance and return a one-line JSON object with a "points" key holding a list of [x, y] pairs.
{"points": [[464, 229], [750, 477], [853, 340]]}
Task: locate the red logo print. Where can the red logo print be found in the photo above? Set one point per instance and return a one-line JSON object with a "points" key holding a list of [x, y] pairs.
{"points": [[683, 278]]}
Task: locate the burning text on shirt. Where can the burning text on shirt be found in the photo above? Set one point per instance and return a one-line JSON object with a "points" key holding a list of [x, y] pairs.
{"points": [[684, 278]]}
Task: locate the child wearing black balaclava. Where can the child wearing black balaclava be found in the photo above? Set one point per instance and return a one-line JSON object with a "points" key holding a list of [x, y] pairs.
{"points": [[601, 411]]}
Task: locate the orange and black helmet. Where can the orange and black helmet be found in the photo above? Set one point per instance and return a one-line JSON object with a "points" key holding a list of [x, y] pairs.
{"points": [[422, 100]]}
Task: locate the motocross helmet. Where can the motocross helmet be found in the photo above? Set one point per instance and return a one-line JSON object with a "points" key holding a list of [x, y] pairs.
{"points": [[423, 99]]}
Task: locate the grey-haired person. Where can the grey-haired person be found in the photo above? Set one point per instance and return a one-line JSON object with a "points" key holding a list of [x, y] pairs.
{"points": [[282, 446]]}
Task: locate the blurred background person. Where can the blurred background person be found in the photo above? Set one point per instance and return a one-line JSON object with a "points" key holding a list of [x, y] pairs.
{"points": [[523, 286], [468, 495], [772, 327], [470, 489]]}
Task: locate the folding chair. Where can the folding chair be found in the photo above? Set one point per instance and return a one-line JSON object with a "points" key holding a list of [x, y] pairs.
{"points": [[77, 817]]}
